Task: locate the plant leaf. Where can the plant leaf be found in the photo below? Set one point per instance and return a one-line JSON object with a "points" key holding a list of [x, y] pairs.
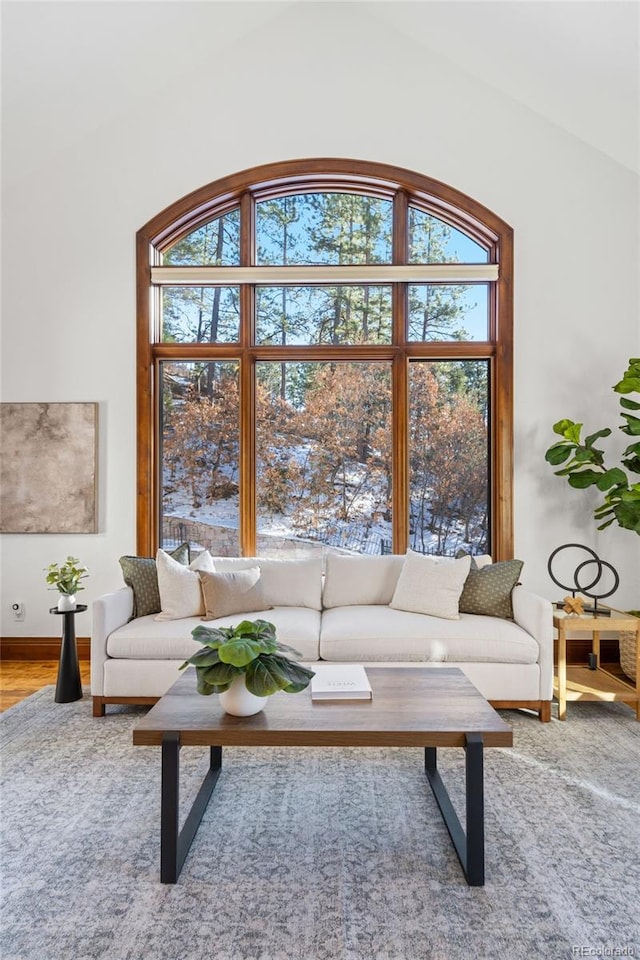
{"points": [[629, 404], [219, 674], [586, 455], [628, 516], [206, 689], [584, 478], [628, 384], [261, 679], [590, 440], [270, 673], [632, 426], [285, 648], [204, 658], [211, 636], [240, 651], [568, 429], [558, 453], [603, 526], [611, 478]]}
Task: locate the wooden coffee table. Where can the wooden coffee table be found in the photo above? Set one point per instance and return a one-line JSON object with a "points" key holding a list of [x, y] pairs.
{"points": [[421, 707]]}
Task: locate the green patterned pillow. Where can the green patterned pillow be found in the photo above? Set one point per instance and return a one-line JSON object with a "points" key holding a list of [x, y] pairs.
{"points": [[487, 590], [141, 575]]}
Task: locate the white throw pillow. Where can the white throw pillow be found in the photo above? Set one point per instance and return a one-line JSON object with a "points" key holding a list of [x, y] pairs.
{"points": [[179, 586], [431, 585], [287, 583], [360, 581]]}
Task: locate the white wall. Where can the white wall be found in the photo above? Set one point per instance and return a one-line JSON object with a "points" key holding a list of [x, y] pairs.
{"points": [[113, 111]]}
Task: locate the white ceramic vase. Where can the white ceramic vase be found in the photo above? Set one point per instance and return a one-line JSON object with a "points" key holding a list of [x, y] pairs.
{"points": [[240, 702], [66, 602]]}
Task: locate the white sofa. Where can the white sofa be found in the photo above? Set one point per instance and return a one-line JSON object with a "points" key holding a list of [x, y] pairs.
{"points": [[341, 615]]}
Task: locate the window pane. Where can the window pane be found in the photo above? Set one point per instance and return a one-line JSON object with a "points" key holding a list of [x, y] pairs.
{"points": [[323, 457], [439, 312], [200, 314], [433, 241], [334, 228], [335, 315], [199, 433], [216, 243], [449, 456]]}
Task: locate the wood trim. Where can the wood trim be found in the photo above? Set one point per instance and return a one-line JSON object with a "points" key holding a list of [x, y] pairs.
{"points": [[502, 392], [144, 402], [541, 707], [39, 648], [325, 173], [99, 703]]}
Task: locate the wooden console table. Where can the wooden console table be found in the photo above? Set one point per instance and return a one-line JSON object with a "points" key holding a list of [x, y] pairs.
{"points": [[583, 683]]}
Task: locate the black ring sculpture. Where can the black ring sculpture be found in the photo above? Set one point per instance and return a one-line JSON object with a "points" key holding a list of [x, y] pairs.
{"points": [[595, 559]]}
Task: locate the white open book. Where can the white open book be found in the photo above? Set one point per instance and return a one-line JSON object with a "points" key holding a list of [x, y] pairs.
{"points": [[340, 681]]}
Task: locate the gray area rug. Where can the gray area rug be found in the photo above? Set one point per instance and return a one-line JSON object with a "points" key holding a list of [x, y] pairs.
{"points": [[316, 854]]}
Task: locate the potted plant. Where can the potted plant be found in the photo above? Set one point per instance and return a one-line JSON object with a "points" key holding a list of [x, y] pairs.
{"points": [[66, 579], [244, 664], [585, 466]]}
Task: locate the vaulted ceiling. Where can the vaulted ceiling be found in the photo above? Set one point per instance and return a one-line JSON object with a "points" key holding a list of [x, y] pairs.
{"points": [[574, 62]]}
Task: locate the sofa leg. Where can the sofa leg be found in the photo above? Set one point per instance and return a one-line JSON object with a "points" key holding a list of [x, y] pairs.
{"points": [[545, 711], [98, 707]]}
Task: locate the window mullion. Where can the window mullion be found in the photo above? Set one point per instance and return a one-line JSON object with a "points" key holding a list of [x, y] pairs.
{"points": [[400, 454], [247, 500]]}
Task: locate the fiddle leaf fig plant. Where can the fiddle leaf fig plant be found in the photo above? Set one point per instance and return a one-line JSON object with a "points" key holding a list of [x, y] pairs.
{"points": [[250, 648], [585, 464]]}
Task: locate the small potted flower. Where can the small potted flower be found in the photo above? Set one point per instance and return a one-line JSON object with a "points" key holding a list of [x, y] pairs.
{"points": [[244, 664], [65, 578]]}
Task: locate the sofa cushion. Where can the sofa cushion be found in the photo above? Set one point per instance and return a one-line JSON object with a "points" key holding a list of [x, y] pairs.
{"points": [[140, 573], [179, 586], [378, 633], [287, 583], [487, 590], [228, 593], [148, 639], [353, 581], [431, 585]]}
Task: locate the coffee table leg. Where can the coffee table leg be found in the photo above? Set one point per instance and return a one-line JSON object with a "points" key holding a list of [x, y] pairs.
{"points": [[470, 845], [175, 843]]}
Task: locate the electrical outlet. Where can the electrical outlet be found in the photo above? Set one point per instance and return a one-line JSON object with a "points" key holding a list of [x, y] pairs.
{"points": [[18, 611]]}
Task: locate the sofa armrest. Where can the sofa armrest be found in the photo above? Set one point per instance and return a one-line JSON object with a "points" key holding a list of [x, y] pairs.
{"points": [[110, 611], [535, 615]]}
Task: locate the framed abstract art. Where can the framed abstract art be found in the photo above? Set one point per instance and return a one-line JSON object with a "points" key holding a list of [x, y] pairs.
{"points": [[48, 471]]}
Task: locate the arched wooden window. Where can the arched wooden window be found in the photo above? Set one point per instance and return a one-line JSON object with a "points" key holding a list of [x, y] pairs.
{"points": [[325, 362]]}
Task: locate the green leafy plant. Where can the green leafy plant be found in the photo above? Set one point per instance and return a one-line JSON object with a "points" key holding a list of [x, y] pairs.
{"points": [[585, 464], [251, 649], [67, 576]]}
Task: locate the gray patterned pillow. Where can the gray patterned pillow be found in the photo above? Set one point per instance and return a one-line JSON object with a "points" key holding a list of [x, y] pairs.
{"points": [[141, 575], [487, 590]]}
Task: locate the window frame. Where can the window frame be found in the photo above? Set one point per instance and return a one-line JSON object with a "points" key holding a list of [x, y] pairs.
{"points": [[404, 187]]}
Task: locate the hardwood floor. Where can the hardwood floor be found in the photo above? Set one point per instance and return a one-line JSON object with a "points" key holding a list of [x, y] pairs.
{"points": [[20, 678]]}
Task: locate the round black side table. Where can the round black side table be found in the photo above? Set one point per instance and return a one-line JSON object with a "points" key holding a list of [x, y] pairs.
{"points": [[69, 685]]}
